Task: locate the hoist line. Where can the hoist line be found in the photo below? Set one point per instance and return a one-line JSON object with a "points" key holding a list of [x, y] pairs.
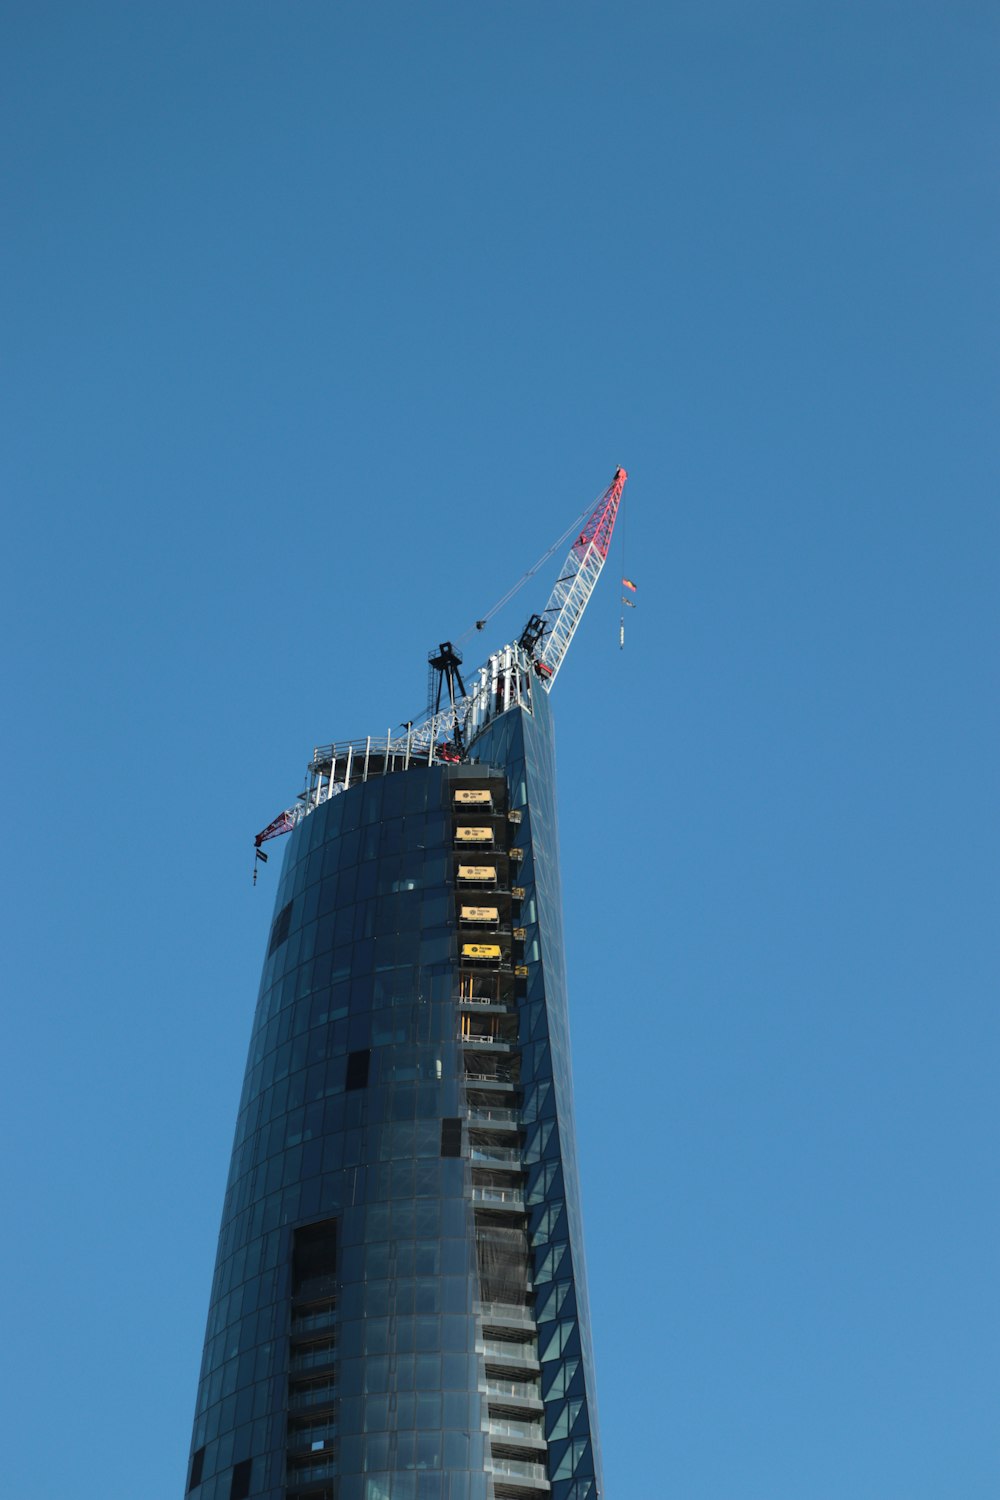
{"points": [[575, 526]]}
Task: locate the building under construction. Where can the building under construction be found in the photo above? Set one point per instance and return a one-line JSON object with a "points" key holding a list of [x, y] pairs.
{"points": [[399, 1308]]}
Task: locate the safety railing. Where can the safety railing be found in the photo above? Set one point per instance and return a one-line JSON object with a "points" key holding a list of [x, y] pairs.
{"points": [[312, 1358], [312, 1439], [510, 1349], [509, 1427], [497, 1155], [488, 1114], [519, 1468], [511, 1390], [509, 1312], [307, 1322], [504, 1197], [306, 1473], [312, 1395]]}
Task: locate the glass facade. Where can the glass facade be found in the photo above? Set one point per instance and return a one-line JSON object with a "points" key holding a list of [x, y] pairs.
{"points": [[399, 1306]]}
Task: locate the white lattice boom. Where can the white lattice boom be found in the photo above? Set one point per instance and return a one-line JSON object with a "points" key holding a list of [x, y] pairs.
{"points": [[577, 580]]}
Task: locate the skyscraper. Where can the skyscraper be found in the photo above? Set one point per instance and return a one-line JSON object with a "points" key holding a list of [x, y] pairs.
{"points": [[399, 1308]]}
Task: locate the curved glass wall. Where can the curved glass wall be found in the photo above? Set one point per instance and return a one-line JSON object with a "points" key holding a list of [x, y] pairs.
{"points": [[398, 1310]]}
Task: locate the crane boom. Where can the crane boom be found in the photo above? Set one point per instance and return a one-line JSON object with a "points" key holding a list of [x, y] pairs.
{"points": [[576, 581], [283, 823]]}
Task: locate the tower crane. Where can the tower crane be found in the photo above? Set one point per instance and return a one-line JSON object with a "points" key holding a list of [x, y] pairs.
{"points": [[506, 678]]}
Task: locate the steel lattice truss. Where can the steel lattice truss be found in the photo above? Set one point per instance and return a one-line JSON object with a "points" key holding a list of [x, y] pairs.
{"points": [[577, 580]]}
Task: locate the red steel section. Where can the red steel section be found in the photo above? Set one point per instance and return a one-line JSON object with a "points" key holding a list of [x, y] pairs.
{"points": [[284, 823], [602, 521]]}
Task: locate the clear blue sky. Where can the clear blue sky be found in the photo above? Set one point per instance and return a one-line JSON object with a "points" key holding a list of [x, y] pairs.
{"points": [[320, 322]]}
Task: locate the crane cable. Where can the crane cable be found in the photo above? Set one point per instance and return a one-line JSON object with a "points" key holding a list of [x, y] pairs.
{"points": [[574, 527], [627, 583]]}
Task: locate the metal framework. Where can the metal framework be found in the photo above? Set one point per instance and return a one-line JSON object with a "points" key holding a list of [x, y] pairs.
{"points": [[577, 581], [506, 679]]}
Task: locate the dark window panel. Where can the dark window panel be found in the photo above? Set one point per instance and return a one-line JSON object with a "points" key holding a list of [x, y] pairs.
{"points": [[451, 1137], [357, 1069], [197, 1464], [239, 1489], [314, 1258], [279, 931]]}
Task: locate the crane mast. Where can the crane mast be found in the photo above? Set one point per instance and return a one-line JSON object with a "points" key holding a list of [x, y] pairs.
{"points": [[508, 677]]}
